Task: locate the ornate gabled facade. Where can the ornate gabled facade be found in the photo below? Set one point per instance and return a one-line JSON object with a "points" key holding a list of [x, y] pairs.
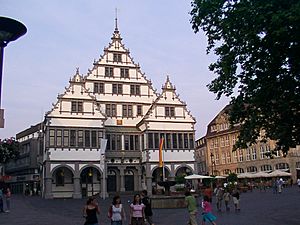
{"points": [[220, 139], [115, 101]]}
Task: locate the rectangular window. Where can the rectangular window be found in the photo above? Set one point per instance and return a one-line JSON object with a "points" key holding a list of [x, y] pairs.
{"points": [[119, 143], [96, 87], [127, 110], [222, 142], [126, 142], [66, 138], [191, 137], [51, 137], [180, 143], [254, 157], [94, 139], [76, 106], [135, 89], [170, 111], [217, 161], [80, 138], [168, 141], [109, 71], [139, 111], [186, 141], [111, 110], [235, 156], [72, 138], [241, 156], [262, 152], [156, 140], [87, 138], [248, 156], [124, 72], [174, 140], [58, 138], [117, 57], [113, 142], [136, 142], [131, 144], [108, 144], [108, 109], [227, 141], [223, 158], [150, 140], [117, 89], [228, 157], [101, 88]]}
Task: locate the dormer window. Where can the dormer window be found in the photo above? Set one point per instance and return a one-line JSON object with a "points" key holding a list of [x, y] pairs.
{"points": [[109, 71], [170, 111], [117, 57], [76, 106]]}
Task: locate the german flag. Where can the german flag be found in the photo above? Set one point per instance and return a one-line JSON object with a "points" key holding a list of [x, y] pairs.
{"points": [[161, 145]]}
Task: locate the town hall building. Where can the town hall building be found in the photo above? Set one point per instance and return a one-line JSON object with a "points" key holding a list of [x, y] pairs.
{"points": [[102, 134]]}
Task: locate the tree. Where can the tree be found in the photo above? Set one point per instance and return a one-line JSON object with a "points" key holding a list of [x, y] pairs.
{"points": [[9, 149], [258, 65]]}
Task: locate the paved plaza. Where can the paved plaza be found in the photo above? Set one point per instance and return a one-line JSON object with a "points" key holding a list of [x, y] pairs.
{"points": [[257, 208]]}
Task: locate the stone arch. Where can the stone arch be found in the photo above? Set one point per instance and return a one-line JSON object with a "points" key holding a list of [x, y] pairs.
{"points": [[182, 167], [90, 180], [62, 165], [62, 181], [91, 165]]}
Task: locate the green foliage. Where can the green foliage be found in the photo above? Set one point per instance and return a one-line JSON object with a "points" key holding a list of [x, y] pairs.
{"points": [[9, 149], [180, 179], [232, 177], [258, 65]]}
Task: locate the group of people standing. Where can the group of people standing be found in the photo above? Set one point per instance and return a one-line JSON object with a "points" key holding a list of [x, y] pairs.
{"points": [[140, 211], [5, 195]]}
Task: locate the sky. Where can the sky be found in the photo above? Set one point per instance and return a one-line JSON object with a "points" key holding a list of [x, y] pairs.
{"points": [[64, 35]]}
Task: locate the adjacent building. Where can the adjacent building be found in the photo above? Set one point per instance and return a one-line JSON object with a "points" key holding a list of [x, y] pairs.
{"points": [[201, 156], [221, 137]]}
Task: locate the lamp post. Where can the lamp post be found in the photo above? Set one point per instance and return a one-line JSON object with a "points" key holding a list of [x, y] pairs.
{"points": [[10, 30], [212, 163]]}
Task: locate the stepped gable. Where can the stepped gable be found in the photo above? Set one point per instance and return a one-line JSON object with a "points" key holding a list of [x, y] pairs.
{"points": [[169, 97], [76, 91], [107, 59]]}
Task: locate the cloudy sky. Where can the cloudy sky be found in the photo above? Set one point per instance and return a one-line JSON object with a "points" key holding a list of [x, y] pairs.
{"points": [[63, 35]]}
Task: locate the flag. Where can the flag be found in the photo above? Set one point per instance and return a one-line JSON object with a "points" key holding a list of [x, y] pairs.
{"points": [[161, 144]]}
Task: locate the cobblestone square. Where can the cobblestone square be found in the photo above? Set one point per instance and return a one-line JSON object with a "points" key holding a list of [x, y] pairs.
{"points": [[257, 208]]}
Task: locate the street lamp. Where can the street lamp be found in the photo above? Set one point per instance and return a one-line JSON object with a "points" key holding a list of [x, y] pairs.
{"points": [[10, 30]]}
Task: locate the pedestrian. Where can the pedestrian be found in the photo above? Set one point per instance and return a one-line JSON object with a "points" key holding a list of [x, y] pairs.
{"points": [[207, 212], [280, 185], [192, 207], [298, 183], [90, 211], [116, 212], [208, 192], [148, 208], [226, 197], [1, 201], [137, 211], [219, 197], [236, 199], [7, 199]]}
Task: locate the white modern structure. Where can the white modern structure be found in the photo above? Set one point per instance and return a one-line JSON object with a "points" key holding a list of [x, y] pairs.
{"points": [[114, 101]]}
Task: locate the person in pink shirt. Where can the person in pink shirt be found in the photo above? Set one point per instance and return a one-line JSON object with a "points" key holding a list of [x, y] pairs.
{"points": [[137, 211], [206, 214]]}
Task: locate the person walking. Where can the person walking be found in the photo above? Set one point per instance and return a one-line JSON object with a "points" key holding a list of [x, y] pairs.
{"points": [[192, 207], [1, 201], [236, 199], [7, 199], [137, 211], [298, 183], [90, 211], [116, 212], [219, 197], [226, 197], [148, 209], [280, 185], [207, 212]]}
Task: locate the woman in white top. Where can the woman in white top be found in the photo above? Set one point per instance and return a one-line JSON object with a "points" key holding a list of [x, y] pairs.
{"points": [[116, 212]]}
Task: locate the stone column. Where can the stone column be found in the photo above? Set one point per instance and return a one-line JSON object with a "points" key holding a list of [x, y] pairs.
{"points": [[122, 180], [77, 188], [148, 179], [47, 182]]}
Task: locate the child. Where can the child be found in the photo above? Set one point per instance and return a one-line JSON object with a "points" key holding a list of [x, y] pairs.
{"points": [[207, 215]]}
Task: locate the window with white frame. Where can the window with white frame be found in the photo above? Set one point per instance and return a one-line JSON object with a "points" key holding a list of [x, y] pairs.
{"points": [[239, 170], [222, 142], [124, 72], [241, 156], [223, 158], [254, 157], [212, 144], [235, 156], [233, 139], [217, 158], [228, 157], [227, 140], [282, 166], [266, 168], [248, 158], [109, 71], [251, 169], [262, 152], [216, 143]]}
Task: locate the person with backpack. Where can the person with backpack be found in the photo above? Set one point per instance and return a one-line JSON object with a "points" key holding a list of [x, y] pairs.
{"points": [[148, 209]]}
